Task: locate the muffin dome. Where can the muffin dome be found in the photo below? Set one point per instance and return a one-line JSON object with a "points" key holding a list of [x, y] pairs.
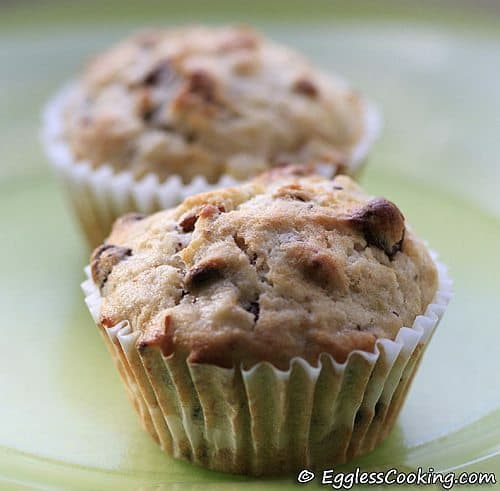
{"points": [[287, 265], [210, 102]]}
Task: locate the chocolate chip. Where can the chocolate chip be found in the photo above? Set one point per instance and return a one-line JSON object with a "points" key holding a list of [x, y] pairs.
{"points": [[204, 273], [382, 224], [188, 222], [206, 211], [202, 84], [199, 276], [162, 73], [306, 87], [104, 259], [254, 309]]}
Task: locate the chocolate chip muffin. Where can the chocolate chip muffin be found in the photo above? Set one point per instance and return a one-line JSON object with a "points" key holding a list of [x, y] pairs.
{"points": [[204, 105], [276, 306]]}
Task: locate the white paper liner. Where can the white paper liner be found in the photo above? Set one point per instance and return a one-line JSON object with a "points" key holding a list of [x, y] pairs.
{"points": [[99, 196], [265, 420]]}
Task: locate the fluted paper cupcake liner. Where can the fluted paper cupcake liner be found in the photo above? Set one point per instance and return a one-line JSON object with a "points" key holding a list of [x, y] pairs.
{"points": [[264, 420], [99, 196]]}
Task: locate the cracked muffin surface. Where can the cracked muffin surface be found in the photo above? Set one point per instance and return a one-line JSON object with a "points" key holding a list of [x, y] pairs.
{"points": [[287, 265], [209, 101]]}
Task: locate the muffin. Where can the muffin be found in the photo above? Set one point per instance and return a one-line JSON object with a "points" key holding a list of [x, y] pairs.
{"points": [[268, 327], [170, 113]]}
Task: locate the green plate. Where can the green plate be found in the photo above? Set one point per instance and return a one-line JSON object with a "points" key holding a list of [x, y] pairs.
{"points": [[65, 421]]}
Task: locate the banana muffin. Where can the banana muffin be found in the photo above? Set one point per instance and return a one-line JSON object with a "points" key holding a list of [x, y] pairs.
{"points": [[310, 275], [218, 105]]}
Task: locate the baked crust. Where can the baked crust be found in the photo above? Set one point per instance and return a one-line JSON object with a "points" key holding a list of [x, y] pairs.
{"points": [[208, 101], [286, 265]]}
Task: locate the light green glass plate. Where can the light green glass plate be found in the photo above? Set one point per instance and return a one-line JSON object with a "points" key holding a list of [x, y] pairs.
{"points": [[65, 421]]}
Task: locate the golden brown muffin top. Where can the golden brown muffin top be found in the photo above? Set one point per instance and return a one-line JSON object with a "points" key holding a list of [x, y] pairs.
{"points": [[208, 101], [286, 265]]}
